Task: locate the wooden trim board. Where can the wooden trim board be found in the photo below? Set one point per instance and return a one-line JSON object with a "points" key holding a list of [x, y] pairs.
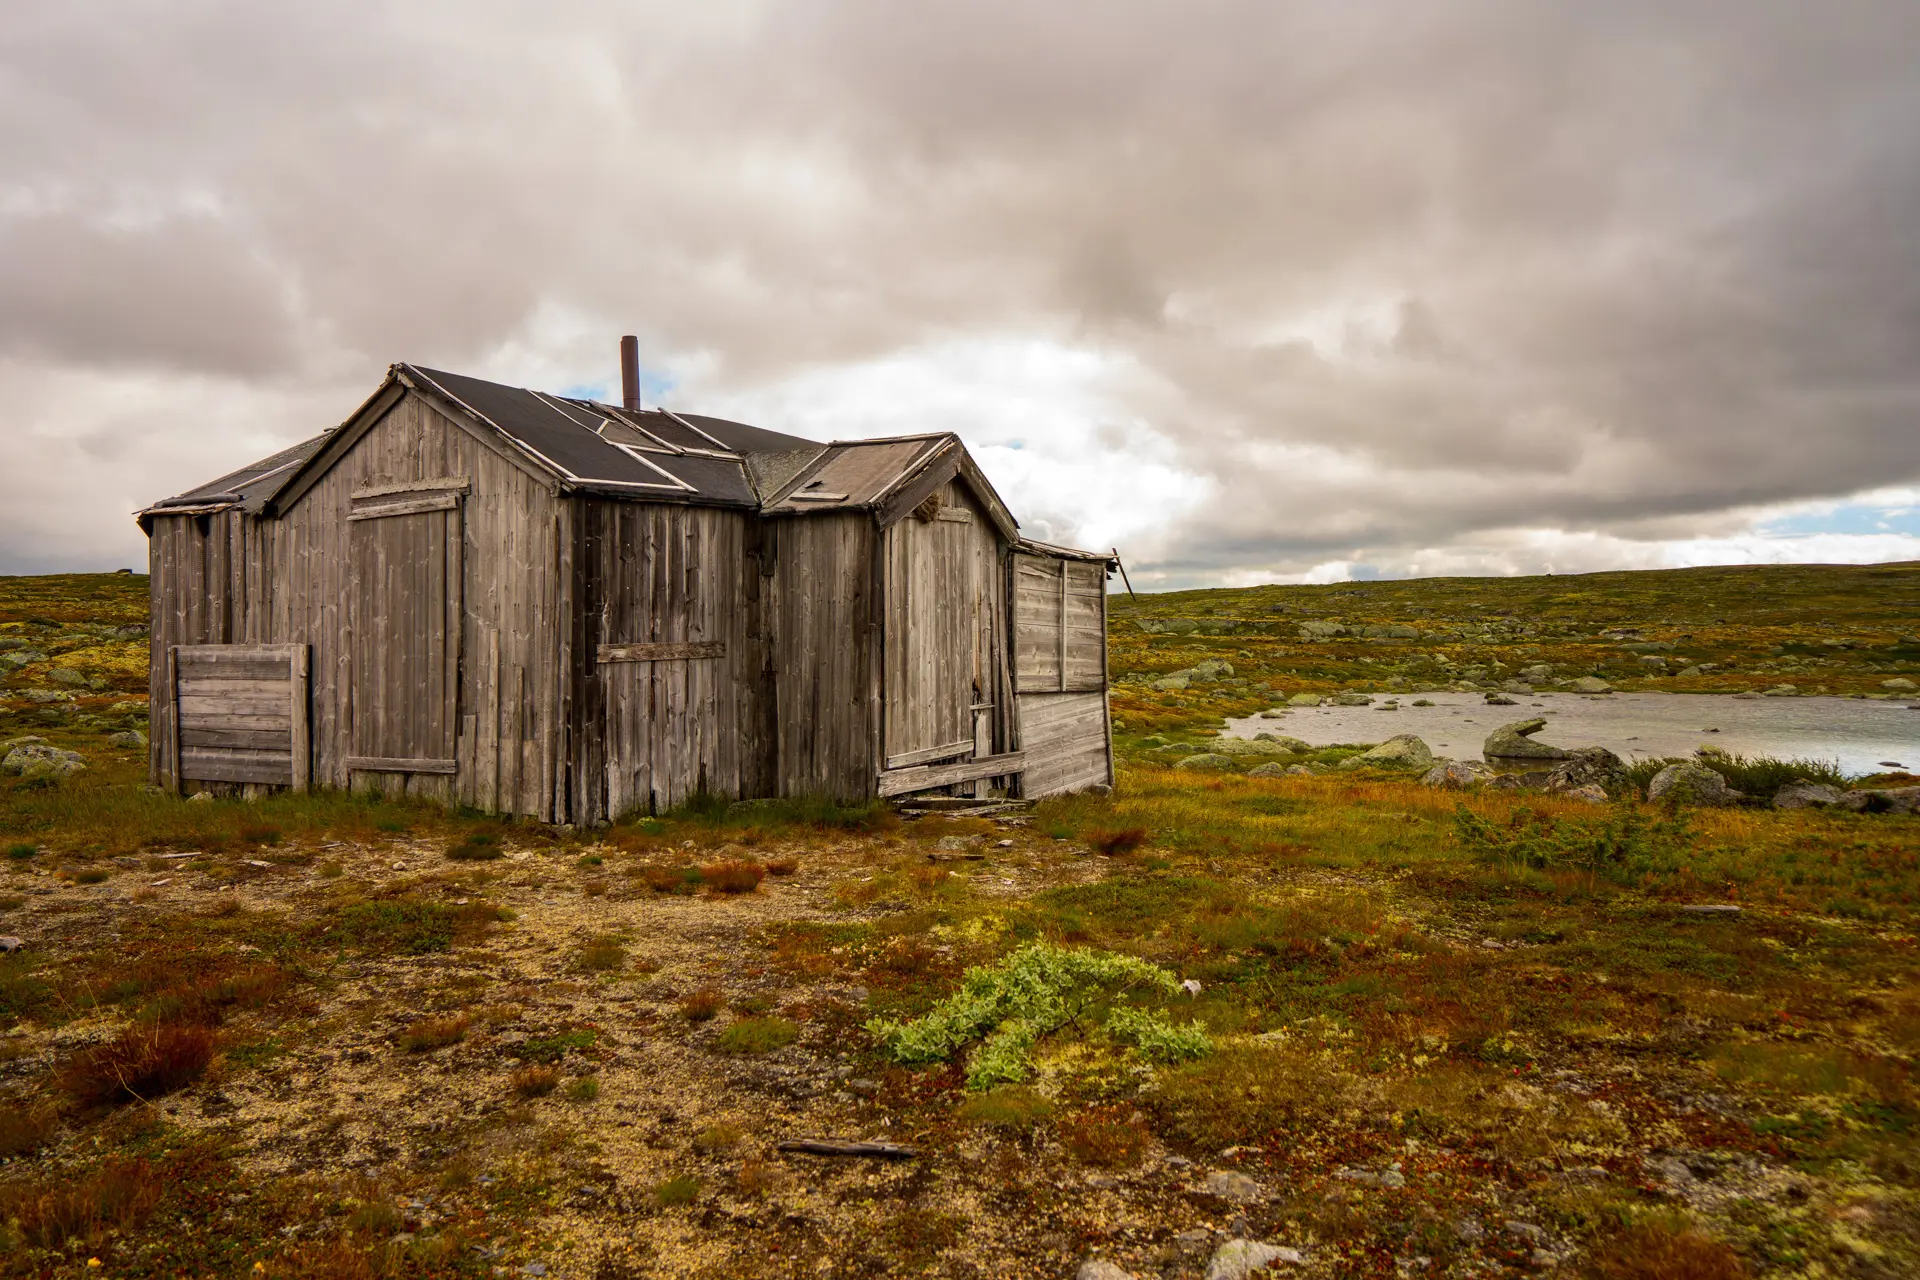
{"points": [[390, 764], [928, 755], [899, 782], [661, 652]]}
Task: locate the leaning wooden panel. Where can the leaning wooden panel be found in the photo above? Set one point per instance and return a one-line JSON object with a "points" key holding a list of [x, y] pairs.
{"points": [[229, 723], [1064, 737]]}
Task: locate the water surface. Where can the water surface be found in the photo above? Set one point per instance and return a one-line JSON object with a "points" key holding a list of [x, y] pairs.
{"points": [[1862, 736]]}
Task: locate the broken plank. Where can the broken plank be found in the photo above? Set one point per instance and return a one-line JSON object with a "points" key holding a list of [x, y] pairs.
{"points": [[865, 1150], [899, 782]]}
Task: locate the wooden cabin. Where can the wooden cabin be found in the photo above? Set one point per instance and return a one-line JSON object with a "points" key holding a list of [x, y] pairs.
{"points": [[540, 605]]}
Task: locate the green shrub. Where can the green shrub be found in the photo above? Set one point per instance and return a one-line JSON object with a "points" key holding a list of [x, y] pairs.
{"points": [[1627, 842], [22, 851], [1032, 993], [1759, 776], [757, 1035], [1011, 1106], [475, 846], [550, 1049], [584, 1089], [406, 926], [679, 1189]]}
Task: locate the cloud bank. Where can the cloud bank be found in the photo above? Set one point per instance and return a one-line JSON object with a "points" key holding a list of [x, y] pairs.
{"points": [[1252, 291]]}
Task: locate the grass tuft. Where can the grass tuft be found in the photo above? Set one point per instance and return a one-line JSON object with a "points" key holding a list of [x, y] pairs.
{"points": [[757, 1035], [141, 1064], [702, 1005], [733, 876], [535, 1081], [1015, 1108], [429, 1034], [678, 1190]]}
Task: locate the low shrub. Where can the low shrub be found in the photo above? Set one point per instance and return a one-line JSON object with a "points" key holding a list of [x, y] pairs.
{"points": [[429, 1034], [141, 1064], [1117, 843], [669, 879], [702, 1005], [733, 876], [475, 846], [583, 1089], [23, 1128], [60, 1209], [550, 1049], [1757, 776], [407, 926], [1012, 1107], [718, 1137], [1627, 842], [782, 866], [602, 954], [757, 1035], [535, 1081], [21, 851], [680, 1189], [1036, 991], [1104, 1136], [1658, 1249]]}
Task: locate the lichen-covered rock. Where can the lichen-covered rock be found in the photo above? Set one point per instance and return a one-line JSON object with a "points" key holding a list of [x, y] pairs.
{"points": [[1456, 773], [1690, 782], [1207, 762], [1282, 741], [1352, 699], [128, 739], [1500, 700], [1537, 673], [1802, 794], [1239, 1259], [1883, 800], [1169, 683], [1899, 684], [1590, 793], [37, 760], [1403, 751], [1515, 742], [1304, 700], [1271, 769], [1591, 684]]}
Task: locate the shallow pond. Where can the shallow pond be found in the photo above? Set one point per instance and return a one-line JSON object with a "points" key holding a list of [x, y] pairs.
{"points": [[1864, 737]]}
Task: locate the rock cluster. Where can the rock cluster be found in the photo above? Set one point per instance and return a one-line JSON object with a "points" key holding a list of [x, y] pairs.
{"points": [[33, 758]]}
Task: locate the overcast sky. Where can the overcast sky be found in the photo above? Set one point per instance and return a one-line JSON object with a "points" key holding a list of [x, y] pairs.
{"points": [[1256, 291]]}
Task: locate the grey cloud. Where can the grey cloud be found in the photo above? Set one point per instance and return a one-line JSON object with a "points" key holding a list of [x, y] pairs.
{"points": [[1490, 265]]}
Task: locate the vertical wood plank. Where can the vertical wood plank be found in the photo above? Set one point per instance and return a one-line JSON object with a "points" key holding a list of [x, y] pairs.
{"points": [[300, 698]]}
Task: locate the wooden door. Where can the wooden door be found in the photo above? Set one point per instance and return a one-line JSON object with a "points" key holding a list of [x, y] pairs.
{"points": [[941, 577], [406, 633]]}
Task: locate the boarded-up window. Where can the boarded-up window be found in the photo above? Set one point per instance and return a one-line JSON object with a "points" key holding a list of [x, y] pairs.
{"points": [[1060, 640], [240, 712], [406, 630]]}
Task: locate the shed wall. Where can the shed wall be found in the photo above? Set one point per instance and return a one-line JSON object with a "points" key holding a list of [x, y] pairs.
{"points": [[232, 578], [672, 667], [823, 605]]}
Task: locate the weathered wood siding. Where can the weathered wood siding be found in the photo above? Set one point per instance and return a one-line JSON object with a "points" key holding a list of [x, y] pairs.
{"points": [[230, 578], [945, 696], [1060, 670], [672, 661], [822, 596], [1064, 742]]}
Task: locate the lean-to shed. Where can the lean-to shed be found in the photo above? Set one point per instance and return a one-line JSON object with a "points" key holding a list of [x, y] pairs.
{"points": [[548, 606]]}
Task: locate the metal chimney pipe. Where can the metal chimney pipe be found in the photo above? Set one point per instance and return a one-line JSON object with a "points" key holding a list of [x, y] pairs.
{"points": [[630, 372]]}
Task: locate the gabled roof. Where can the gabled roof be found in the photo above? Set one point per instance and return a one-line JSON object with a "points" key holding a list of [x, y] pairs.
{"points": [[646, 455]]}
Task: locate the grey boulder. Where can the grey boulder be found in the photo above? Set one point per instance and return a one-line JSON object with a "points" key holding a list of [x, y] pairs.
{"points": [[1304, 700], [1801, 794], [1101, 1269], [131, 739], [1883, 800], [37, 760], [1352, 700], [1515, 742], [1271, 769], [1403, 751], [1589, 767], [1591, 684], [1456, 774], [1207, 762], [1690, 782]]}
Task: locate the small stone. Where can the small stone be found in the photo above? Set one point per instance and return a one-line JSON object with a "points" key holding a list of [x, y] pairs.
{"points": [[200, 797], [1101, 1269], [1711, 909], [1500, 700], [1192, 987], [1899, 683], [1238, 1259], [9, 944], [1590, 793], [1590, 684], [534, 1269], [128, 739], [1229, 1185], [1304, 700], [1003, 844], [1467, 1231], [1207, 762], [1524, 1230], [1271, 769], [1456, 773]]}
